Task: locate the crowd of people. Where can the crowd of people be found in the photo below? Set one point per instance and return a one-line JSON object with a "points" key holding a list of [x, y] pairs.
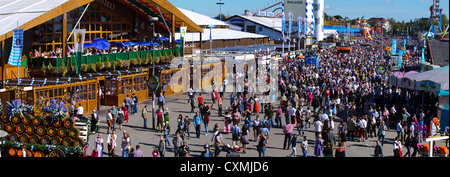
{"points": [[344, 90], [88, 51]]}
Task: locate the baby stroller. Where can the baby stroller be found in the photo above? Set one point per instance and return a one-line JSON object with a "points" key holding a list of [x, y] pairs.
{"points": [[231, 151]]}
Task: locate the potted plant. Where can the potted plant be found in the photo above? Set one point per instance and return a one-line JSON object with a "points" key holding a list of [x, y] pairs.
{"points": [[84, 68], [92, 68], [113, 65], [44, 69]]}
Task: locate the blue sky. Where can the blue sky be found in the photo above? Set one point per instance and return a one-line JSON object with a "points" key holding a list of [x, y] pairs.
{"points": [[397, 9]]}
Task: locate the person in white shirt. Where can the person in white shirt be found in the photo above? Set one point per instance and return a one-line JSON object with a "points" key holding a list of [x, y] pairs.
{"points": [[292, 112], [323, 117], [318, 125], [362, 129], [112, 145], [80, 111], [109, 121]]}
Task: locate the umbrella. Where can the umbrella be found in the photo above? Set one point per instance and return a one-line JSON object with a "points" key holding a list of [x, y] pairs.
{"points": [[117, 44], [162, 39], [102, 45], [129, 43], [87, 45], [99, 40], [177, 41]]}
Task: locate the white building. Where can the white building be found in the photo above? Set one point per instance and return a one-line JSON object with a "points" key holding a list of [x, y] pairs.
{"points": [[268, 26]]}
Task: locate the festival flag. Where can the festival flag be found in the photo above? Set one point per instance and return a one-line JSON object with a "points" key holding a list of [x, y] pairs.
{"points": [[283, 19], [423, 55], [299, 23], [15, 57], [400, 58], [291, 18], [394, 47], [78, 39]]}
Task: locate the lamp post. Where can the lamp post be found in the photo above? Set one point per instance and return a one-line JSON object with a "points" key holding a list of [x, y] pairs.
{"points": [[153, 20]]}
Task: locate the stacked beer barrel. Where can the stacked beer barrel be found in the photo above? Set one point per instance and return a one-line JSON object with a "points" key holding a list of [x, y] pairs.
{"points": [[40, 130]]}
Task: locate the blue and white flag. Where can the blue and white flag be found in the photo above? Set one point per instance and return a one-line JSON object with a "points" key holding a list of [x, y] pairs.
{"points": [[400, 58], [305, 25], [15, 57], [283, 19], [404, 44], [423, 55], [394, 47], [291, 19], [299, 23]]}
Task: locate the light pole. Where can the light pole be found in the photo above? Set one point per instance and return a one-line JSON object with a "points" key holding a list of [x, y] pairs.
{"points": [[153, 20]]}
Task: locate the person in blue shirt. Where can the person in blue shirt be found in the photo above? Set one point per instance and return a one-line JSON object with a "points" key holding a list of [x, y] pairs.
{"points": [[197, 123], [232, 97], [161, 101]]}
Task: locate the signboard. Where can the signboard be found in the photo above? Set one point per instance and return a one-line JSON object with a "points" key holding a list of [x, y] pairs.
{"points": [[381, 69], [429, 86], [297, 7], [183, 31], [153, 83], [394, 63]]}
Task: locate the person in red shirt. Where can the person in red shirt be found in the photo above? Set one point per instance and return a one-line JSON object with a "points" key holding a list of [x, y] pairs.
{"points": [[159, 123], [200, 100]]}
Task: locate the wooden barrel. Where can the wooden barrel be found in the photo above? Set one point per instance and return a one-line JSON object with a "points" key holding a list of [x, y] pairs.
{"points": [[12, 152], [67, 141], [30, 153], [47, 121], [31, 129], [74, 132], [13, 137], [41, 130], [51, 131], [36, 120], [26, 119], [19, 152], [35, 139], [20, 128], [69, 123], [5, 118], [55, 141], [10, 127], [62, 132], [39, 154], [24, 138], [78, 142], [45, 140], [16, 119], [57, 122]]}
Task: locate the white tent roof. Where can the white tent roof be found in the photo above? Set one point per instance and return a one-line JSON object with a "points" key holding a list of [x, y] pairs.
{"points": [[439, 75], [14, 13], [202, 20], [270, 22], [219, 34]]}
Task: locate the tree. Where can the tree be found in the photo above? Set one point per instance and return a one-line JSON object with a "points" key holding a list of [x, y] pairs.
{"points": [[338, 17], [220, 17]]}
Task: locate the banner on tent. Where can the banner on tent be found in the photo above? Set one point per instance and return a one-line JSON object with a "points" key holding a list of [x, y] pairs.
{"points": [[429, 86], [17, 47], [405, 83], [78, 39]]}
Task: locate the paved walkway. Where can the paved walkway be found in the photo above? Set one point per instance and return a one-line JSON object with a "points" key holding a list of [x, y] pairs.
{"points": [[177, 104]]}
